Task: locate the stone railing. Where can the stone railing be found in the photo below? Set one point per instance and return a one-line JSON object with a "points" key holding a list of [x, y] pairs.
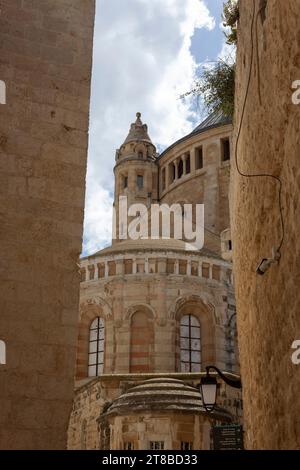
{"points": [[104, 267]]}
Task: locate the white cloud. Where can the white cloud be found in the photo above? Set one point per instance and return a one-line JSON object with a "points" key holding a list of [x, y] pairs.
{"points": [[142, 62]]}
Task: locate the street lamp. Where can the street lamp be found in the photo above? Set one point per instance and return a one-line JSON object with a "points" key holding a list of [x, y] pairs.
{"points": [[208, 387]]}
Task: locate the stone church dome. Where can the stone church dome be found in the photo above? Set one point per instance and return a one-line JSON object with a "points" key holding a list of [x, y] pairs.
{"points": [[162, 394]]}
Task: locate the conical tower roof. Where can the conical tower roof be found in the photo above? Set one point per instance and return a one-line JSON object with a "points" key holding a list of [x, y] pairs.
{"points": [[138, 131]]}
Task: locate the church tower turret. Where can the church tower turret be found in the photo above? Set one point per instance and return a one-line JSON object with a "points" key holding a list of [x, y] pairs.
{"points": [[136, 172]]}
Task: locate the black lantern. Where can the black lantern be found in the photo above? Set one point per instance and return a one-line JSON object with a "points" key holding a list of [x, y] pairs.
{"points": [[208, 390], [208, 387]]}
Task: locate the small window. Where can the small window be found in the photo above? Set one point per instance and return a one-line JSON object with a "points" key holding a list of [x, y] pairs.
{"points": [[229, 245], [186, 446], [199, 158], [188, 164], [96, 347], [140, 154], [125, 182], [180, 169], [128, 446], [140, 181], [225, 150], [157, 445]]}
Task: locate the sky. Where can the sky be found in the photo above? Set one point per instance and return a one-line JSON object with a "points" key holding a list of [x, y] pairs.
{"points": [[146, 54]]}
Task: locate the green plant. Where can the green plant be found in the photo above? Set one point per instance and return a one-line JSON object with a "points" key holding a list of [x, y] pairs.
{"points": [[216, 85], [230, 19]]}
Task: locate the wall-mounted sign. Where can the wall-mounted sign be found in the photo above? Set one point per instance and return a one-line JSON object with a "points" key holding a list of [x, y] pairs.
{"points": [[229, 437]]}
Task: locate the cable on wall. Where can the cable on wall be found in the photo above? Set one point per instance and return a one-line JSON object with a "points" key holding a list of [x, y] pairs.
{"points": [[258, 175]]}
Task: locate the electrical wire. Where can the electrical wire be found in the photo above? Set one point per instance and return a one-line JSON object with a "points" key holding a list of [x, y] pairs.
{"points": [[257, 175]]}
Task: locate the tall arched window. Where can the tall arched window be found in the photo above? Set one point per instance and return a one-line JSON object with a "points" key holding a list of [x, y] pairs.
{"points": [[96, 347], [190, 344]]}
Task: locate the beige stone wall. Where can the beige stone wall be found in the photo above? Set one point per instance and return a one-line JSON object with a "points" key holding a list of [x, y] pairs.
{"points": [[45, 61], [268, 306]]}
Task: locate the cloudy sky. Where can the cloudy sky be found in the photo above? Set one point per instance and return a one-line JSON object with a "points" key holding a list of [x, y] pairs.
{"points": [[146, 54]]}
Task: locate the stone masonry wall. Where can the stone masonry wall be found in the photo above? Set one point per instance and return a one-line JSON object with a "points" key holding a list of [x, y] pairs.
{"points": [[268, 306], [45, 61]]}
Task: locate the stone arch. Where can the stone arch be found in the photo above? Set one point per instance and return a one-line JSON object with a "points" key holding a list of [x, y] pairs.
{"points": [[88, 312], [134, 308], [141, 340], [205, 313]]}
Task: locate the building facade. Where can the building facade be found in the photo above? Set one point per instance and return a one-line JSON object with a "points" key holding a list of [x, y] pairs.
{"points": [[154, 312]]}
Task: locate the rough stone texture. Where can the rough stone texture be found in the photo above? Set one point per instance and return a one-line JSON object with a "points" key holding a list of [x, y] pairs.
{"points": [[268, 306], [45, 60]]}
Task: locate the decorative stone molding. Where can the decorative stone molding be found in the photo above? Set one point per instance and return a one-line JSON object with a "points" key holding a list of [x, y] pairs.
{"points": [[139, 307], [97, 305]]}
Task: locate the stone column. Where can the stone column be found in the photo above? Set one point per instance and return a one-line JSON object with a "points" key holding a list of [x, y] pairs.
{"points": [[106, 269], [189, 267], [176, 169], [183, 158], [134, 266], [119, 267]]}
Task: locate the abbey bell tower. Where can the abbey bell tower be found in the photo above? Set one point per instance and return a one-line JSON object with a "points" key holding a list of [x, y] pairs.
{"points": [[135, 172]]}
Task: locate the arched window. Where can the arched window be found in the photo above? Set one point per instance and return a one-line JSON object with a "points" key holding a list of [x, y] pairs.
{"points": [[96, 347], [190, 344], [180, 168]]}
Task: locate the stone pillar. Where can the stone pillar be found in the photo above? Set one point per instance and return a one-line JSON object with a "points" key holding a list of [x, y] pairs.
{"points": [[176, 169], [106, 268], [189, 267], [134, 266], [184, 163], [161, 265], [193, 162], [119, 267]]}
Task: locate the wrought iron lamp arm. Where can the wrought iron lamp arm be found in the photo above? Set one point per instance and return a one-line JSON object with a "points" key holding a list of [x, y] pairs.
{"points": [[236, 383]]}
